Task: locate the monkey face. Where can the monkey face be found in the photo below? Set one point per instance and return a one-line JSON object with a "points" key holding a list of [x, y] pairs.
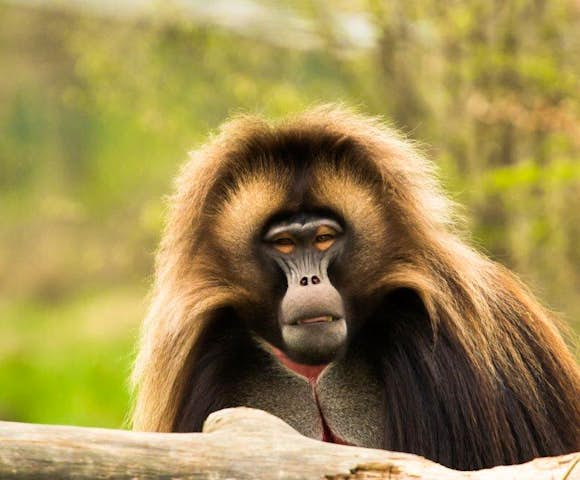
{"points": [[311, 314], [297, 245]]}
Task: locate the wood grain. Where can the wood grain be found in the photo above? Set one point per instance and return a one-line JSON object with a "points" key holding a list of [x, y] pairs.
{"points": [[238, 443]]}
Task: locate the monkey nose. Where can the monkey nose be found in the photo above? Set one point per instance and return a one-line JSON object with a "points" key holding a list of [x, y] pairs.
{"points": [[315, 280]]}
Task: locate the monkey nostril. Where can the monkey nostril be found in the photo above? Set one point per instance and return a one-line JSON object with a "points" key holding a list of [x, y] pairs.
{"points": [[304, 281], [315, 280]]}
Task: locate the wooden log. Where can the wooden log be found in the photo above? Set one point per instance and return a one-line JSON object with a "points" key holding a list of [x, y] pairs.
{"points": [[238, 443]]}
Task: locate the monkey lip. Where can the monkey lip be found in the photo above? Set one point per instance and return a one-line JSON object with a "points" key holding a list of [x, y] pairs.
{"points": [[319, 319], [316, 342]]}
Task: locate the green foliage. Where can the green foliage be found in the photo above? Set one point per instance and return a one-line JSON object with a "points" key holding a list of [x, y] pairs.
{"points": [[97, 113], [68, 363]]}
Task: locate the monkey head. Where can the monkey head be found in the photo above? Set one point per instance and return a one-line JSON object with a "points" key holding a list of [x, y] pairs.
{"points": [[288, 235], [297, 232]]}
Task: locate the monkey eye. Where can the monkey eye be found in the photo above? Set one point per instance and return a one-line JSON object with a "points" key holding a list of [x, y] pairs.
{"points": [[284, 244], [325, 237]]}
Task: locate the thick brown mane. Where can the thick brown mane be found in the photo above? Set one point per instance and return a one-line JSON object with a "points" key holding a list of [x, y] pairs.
{"points": [[500, 337]]}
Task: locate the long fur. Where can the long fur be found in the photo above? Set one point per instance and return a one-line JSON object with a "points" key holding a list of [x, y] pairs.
{"points": [[475, 370]]}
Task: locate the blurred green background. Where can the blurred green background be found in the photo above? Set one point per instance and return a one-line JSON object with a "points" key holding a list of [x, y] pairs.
{"points": [[100, 101]]}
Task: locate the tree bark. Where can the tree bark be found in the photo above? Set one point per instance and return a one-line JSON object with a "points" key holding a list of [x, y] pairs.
{"points": [[238, 443]]}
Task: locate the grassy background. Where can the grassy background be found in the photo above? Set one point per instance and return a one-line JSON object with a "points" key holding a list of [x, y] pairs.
{"points": [[99, 107]]}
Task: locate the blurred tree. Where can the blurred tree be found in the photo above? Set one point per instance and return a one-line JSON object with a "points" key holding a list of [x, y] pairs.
{"points": [[97, 112]]}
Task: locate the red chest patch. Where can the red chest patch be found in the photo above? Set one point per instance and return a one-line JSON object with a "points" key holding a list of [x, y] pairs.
{"points": [[311, 373]]}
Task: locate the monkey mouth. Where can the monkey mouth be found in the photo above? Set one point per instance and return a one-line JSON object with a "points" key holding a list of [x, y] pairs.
{"points": [[319, 319], [315, 339]]}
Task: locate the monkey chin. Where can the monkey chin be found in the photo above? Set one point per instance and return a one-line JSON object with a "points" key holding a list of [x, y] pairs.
{"points": [[314, 343]]}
